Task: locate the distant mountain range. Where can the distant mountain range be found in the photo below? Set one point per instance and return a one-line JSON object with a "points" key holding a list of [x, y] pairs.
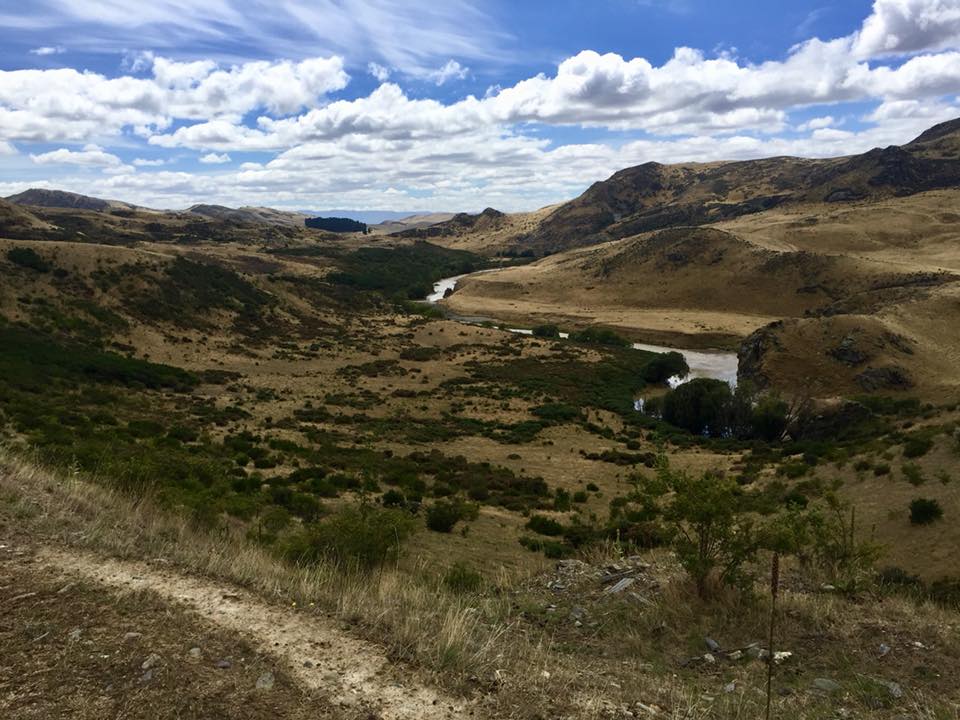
{"points": [[380, 221]]}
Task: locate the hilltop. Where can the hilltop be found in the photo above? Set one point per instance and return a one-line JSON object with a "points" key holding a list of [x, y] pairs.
{"points": [[787, 260]]}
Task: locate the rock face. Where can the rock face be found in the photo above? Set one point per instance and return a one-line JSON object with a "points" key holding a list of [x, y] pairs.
{"points": [[884, 378], [752, 353]]}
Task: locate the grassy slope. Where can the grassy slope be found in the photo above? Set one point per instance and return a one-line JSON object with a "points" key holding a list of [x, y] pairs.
{"points": [[508, 630]]}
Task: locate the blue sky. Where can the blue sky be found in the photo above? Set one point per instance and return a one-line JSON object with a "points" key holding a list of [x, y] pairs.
{"points": [[386, 104]]}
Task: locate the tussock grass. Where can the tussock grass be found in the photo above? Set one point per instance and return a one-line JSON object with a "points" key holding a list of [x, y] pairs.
{"points": [[497, 645]]}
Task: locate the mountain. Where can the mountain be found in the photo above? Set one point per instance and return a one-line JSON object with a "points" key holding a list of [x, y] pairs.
{"points": [[836, 277], [38, 197], [249, 215], [409, 222], [462, 223], [654, 196]]}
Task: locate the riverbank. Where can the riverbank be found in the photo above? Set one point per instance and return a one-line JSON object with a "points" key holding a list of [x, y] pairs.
{"points": [[703, 363]]}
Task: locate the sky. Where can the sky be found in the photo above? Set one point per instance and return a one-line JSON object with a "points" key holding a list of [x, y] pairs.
{"points": [[452, 105]]}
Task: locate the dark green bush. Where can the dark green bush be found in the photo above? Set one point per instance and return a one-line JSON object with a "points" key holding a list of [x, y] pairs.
{"points": [[924, 511], [444, 514], [546, 331], [28, 258], [599, 336], [543, 525], [916, 447], [557, 412]]}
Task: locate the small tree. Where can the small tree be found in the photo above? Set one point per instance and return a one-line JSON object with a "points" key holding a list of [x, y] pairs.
{"points": [[708, 526]]}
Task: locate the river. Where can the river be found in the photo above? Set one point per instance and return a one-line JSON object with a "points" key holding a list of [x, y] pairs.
{"points": [[702, 363]]}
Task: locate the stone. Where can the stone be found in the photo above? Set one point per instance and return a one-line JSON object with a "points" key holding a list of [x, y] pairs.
{"points": [[709, 659], [223, 664], [265, 681], [620, 586], [147, 676], [730, 687], [712, 645], [884, 649], [152, 661], [194, 653], [894, 689], [826, 685], [130, 636]]}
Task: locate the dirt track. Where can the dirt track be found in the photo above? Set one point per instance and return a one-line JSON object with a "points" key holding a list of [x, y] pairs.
{"points": [[349, 672]]}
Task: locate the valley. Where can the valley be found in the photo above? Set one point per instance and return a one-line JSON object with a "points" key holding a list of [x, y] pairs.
{"points": [[446, 445]]}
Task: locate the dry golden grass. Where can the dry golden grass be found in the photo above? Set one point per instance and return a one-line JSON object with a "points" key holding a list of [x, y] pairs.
{"points": [[522, 660]]}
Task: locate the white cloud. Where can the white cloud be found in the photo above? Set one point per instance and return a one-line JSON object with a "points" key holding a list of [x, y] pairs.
{"points": [[90, 156], [898, 27], [452, 70], [66, 105], [817, 123], [378, 71], [393, 151], [144, 162], [7, 148], [48, 50], [214, 159]]}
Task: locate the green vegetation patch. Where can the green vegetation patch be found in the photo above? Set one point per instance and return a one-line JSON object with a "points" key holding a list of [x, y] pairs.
{"points": [[407, 272]]}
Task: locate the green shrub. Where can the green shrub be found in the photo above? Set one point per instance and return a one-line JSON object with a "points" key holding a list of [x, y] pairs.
{"points": [[711, 533], [28, 258], [599, 336], [546, 331], [354, 537], [881, 469], [924, 511], [793, 470], [580, 496], [557, 412], [420, 354], [916, 447], [444, 514], [461, 578], [543, 525], [913, 474]]}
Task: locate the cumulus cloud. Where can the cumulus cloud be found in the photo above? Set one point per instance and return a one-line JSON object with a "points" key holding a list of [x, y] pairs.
{"points": [[73, 106], [390, 150], [90, 156], [897, 27], [214, 159]]}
